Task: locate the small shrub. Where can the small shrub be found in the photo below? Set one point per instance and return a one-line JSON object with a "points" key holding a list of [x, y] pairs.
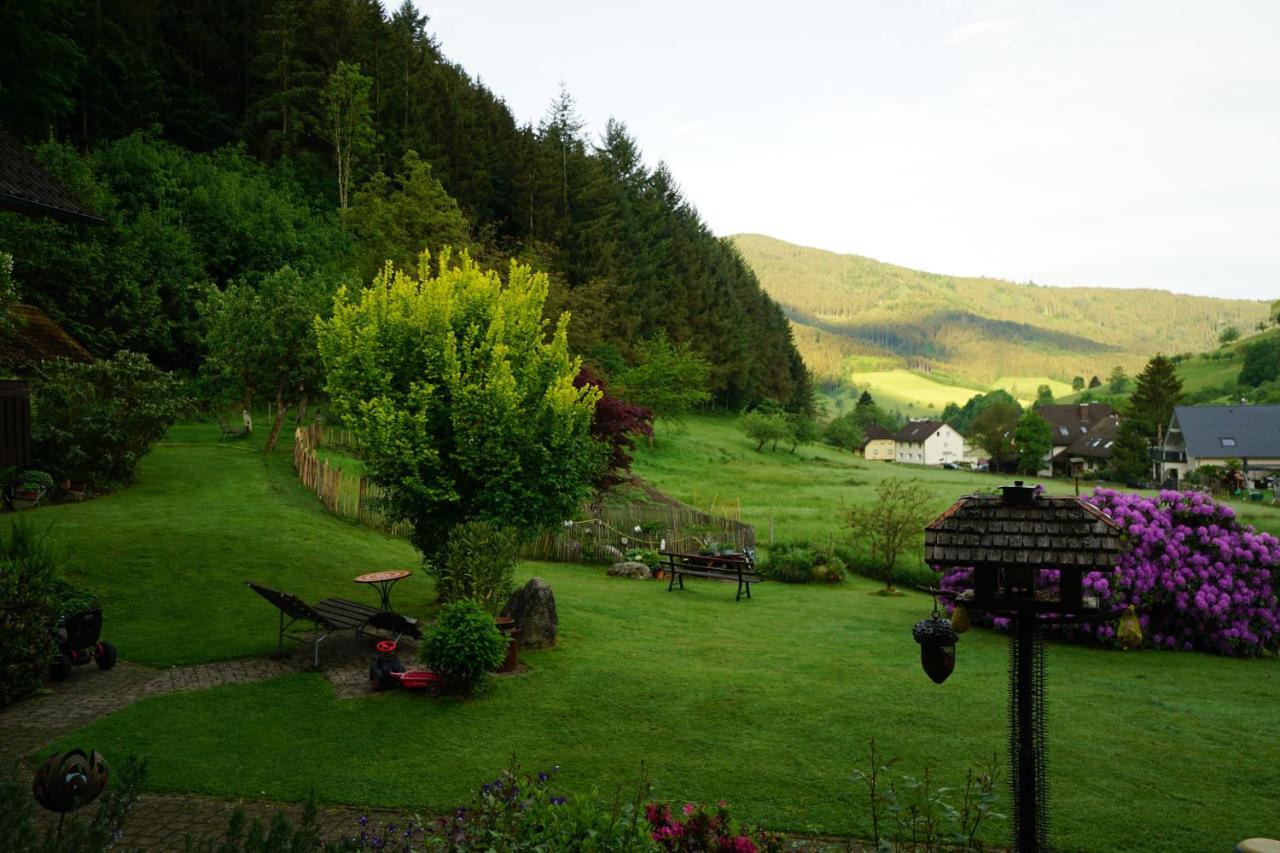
{"points": [[789, 562], [478, 564], [698, 828], [28, 610], [648, 556], [801, 562], [519, 811], [464, 645], [94, 422], [910, 813]]}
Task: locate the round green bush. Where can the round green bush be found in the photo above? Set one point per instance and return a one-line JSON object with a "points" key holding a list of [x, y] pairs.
{"points": [[464, 645]]}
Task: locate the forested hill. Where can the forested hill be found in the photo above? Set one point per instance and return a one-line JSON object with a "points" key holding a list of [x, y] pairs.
{"points": [[851, 311], [207, 133]]}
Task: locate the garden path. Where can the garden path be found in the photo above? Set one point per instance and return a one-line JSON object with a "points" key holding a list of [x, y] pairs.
{"points": [[161, 821]]}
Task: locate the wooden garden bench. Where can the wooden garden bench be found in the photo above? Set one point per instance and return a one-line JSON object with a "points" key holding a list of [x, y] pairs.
{"points": [[729, 567], [330, 616], [229, 431]]}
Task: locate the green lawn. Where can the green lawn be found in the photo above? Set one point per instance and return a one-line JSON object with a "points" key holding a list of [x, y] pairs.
{"points": [[169, 555], [767, 703]]}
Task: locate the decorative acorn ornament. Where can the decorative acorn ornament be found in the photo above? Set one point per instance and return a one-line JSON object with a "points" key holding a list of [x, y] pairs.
{"points": [[69, 780], [937, 641], [1129, 631], [960, 619]]}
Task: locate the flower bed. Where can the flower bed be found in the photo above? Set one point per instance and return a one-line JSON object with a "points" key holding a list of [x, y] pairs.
{"points": [[1198, 578]]}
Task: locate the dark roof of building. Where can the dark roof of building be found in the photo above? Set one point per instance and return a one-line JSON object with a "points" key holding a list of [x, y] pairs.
{"points": [[1044, 532], [37, 338], [25, 187], [1097, 441], [875, 431], [1069, 421], [918, 431], [1229, 431]]}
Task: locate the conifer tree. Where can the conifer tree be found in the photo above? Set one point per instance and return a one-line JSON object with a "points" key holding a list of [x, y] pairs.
{"points": [[1157, 391]]}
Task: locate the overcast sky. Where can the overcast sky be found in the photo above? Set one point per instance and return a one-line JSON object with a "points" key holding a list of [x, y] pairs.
{"points": [[1114, 143]]}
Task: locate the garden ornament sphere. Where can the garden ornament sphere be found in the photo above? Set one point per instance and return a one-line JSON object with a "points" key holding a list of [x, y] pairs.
{"points": [[69, 780]]}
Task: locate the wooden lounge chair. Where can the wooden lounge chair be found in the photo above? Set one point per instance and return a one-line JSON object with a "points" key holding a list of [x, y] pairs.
{"points": [[330, 616]]}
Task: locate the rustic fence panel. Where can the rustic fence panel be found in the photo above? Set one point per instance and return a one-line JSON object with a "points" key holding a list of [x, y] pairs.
{"points": [[602, 536]]}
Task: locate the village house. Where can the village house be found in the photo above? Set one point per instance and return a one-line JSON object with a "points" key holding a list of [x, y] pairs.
{"points": [[926, 442], [1068, 424], [1093, 449], [1212, 435], [878, 444]]}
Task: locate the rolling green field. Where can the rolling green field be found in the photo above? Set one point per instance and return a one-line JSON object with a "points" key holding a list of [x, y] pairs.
{"points": [[767, 703], [1024, 387], [803, 494], [914, 395]]}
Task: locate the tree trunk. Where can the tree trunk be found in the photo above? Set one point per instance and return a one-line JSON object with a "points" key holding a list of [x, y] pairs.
{"points": [[302, 408], [281, 408]]}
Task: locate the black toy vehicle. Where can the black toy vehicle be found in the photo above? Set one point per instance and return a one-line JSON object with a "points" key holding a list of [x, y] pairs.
{"points": [[79, 643]]}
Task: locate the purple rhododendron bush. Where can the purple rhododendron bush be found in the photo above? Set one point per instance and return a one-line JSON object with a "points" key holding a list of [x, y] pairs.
{"points": [[1198, 578]]}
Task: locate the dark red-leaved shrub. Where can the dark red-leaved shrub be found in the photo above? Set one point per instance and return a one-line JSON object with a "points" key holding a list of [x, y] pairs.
{"points": [[615, 423]]}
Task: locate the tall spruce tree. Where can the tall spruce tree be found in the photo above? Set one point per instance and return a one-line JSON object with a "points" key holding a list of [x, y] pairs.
{"points": [[1157, 391]]}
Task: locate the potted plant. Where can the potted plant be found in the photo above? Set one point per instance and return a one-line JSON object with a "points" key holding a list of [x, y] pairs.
{"points": [[29, 487]]}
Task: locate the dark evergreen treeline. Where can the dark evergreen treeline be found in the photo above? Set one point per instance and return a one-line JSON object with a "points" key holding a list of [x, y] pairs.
{"points": [[628, 254]]}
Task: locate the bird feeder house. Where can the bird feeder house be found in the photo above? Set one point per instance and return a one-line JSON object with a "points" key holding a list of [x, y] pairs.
{"points": [[1029, 554], [1014, 540]]}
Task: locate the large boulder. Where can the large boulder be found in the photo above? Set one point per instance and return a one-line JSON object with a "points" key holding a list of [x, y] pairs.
{"points": [[629, 569], [533, 607]]}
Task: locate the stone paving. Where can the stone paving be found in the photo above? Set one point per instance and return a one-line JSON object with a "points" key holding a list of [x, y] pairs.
{"points": [[161, 822]]}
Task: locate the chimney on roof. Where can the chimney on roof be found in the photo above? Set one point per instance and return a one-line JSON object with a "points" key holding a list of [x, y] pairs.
{"points": [[1084, 412]]}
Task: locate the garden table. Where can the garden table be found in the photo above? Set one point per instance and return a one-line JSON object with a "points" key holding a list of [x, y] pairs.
{"points": [[384, 581]]}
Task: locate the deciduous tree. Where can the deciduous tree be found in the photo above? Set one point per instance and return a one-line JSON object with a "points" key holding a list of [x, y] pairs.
{"points": [[462, 398], [993, 429], [1033, 441], [667, 378], [893, 522], [348, 122]]}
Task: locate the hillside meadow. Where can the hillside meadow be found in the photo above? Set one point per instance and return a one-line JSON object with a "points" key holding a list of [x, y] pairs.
{"points": [[804, 495], [980, 328]]}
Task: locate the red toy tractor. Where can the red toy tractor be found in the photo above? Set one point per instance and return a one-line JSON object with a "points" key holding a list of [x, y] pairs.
{"points": [[386, 670]]}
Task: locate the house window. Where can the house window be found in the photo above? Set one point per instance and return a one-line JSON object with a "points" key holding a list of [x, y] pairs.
{"points": [[1064, 431], [1227, 442]]}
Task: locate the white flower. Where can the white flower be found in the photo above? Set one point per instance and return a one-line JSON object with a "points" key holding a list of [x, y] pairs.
{"points": [[637, 528]]}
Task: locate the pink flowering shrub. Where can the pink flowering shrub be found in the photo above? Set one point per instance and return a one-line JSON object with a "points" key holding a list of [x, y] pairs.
{"points": [[1198, 578], [701, 829]]}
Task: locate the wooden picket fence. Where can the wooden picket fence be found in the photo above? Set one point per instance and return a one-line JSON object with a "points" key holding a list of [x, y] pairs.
{"points": [[599, 536], [343, 495]]}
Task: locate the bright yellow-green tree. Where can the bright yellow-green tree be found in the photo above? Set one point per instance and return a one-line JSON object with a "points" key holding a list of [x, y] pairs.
{"points": [[461, 397]]}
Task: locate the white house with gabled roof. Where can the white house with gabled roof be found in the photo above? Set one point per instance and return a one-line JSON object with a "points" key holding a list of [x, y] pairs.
{"points": [[927, 442]]}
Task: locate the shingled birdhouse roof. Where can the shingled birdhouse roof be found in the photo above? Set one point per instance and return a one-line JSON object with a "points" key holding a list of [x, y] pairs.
{"points": [[1022, 529]]}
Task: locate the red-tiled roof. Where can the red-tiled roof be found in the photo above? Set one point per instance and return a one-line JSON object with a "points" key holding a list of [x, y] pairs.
{"points": [[25, 187]]}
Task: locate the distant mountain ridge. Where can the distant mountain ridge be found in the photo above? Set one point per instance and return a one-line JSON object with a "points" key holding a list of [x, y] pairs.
{"points": [[850, 312]]}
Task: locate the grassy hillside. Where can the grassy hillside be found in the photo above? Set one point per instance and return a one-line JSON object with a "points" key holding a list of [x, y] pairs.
{"points": [[846, 308]]}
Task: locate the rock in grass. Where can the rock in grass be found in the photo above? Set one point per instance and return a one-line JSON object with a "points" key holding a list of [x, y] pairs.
{"points": [[533, 607], [629, 569]]}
